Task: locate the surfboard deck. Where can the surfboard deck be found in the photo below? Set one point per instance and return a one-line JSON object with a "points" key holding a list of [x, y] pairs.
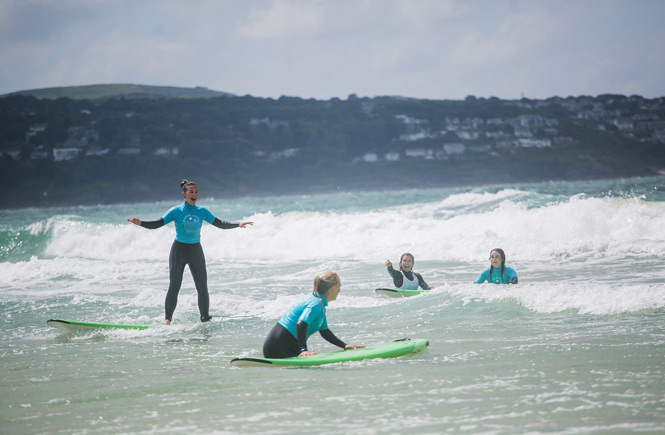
{"points": [[74, 325], [384, 350], [398, 292]]}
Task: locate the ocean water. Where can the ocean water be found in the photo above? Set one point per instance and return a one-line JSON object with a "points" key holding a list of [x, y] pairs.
{"points": [[577, 347]]}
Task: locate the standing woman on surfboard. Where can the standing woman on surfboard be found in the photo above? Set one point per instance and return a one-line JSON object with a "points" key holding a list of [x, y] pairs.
{"points": [[288, 337], [498, 272], [406, 278], [186, 249]]}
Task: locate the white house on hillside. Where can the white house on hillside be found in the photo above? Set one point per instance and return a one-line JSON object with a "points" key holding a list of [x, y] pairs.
{"points": [[60, 154], [454, 149], [392, 156], [534, 143]]}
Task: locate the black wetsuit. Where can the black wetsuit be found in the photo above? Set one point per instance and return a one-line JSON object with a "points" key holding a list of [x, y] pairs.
{"points": [[398, 278], [191, 254], [280, 343], [289, 336]]}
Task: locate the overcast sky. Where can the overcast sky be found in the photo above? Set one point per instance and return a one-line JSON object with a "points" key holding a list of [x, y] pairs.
{"points": [[436, 49]]}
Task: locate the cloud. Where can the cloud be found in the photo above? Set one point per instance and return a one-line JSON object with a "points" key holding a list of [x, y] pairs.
{"points": [[284, 19], [423, 13], [508, 38], [332, 48], [31, 20]]}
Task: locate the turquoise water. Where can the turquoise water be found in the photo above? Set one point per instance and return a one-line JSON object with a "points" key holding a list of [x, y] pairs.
{"points": [[577, 347]]}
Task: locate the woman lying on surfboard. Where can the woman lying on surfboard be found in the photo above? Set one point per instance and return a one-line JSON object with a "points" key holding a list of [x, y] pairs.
{"points": [[498, 272], [186, 249], [288, 337], [406, 278]]}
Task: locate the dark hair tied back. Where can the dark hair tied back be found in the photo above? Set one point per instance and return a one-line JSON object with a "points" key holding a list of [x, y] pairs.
{"points": [[503, 261], [184, 184]]}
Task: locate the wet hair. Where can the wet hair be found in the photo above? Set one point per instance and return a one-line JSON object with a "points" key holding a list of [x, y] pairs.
{"points": [[325, 282], [184, 184], [503, 261], [413, 260]]}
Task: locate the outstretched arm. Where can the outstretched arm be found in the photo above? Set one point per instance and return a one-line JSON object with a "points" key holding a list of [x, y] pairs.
{"points": [[151, 225], [227, 225], [398, 280]]}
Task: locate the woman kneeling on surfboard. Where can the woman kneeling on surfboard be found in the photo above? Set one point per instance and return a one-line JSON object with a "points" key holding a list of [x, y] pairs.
{"points": [[186, 249], [288, 337], [498, 272], [406, 278]]}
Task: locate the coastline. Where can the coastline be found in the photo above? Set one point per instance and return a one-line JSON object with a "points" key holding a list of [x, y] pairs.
{"points": [[312, 189]]}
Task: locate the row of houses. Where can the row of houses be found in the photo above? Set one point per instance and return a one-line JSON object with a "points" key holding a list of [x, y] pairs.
{"points": [[457, 149], [458, 136], [645, 122], [61, 154], [471, 129]]}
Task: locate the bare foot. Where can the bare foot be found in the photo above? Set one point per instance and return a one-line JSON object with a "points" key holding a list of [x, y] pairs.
{"points": [[167, 322]]}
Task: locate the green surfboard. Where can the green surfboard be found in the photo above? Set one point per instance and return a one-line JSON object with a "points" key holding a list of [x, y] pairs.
{"points": [[384, 350], [73, 325], [398, 292]]}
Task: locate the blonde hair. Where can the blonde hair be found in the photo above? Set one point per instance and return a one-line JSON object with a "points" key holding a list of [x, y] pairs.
{"points": [[324, 282]]}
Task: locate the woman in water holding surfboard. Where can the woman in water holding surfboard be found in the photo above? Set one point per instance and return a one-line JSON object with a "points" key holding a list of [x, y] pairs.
{"points": [[288, 337], [186, 249], [406, 278], [498, 272]]}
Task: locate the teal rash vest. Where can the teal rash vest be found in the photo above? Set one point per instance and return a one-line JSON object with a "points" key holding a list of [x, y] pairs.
{"points": [[311, 310], [188, 220], [509, 276]]}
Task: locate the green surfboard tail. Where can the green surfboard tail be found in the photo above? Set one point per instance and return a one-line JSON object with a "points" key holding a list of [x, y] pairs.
{"points": [[74, 325]]}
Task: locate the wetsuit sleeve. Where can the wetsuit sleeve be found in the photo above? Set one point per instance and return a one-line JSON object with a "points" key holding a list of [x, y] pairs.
{"points": [[153, 225], [331, 338], [398, 279], [301, 332], [512, 275], [223, 224], [421, 282], [481, 278]]}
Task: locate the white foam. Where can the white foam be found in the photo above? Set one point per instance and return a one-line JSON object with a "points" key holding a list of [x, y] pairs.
{"points": [[548, 241], [433, 231], [585, 298]]}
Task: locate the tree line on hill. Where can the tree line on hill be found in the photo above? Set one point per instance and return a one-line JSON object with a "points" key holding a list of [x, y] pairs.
{"points": [[134, 149]]}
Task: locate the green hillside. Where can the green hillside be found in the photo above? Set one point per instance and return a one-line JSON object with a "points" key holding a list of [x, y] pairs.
{"points": [[111, 148], [129, 91]]}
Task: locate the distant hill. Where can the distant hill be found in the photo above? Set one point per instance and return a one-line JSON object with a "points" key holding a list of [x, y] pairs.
{"points": [[129, 91], [113, 146]]}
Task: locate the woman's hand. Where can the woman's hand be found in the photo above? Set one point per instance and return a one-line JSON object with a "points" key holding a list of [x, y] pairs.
{"points": [[388, 263], [135, 221], [307, 353], [353, 346], [244, 224]]}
